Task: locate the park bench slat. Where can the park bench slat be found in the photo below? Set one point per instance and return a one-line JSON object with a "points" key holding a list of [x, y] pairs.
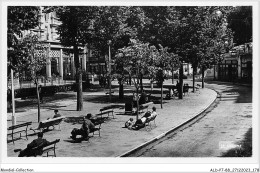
{"points": [[106, 110], [149, 122], [14, 127], [48, 148], [47, 123]]}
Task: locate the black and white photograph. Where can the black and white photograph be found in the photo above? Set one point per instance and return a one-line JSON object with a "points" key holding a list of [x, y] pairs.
{"points": [[142, 83]]}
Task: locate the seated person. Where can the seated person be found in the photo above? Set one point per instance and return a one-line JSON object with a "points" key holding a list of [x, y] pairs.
{"points": [[56, 114], [140, 123], [86, 127], [129, 123], [89, 123], [29, 151]]}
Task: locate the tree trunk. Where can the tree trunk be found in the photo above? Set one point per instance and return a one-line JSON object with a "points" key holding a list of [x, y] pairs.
{"points": [[161, 94], [141, 82], [78, 78], [193, 78], [151, 85], [38, 103], [202, 85], [181, 81], [137, 104], [172, 77], [193, 82], [121, 90]]}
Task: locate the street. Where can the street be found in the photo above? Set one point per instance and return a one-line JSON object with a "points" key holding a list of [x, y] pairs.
{"points": [[225, 124]]}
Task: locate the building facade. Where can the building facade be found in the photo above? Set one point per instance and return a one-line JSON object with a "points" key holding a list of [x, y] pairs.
{"points": [[60, 61], [237, 64]]}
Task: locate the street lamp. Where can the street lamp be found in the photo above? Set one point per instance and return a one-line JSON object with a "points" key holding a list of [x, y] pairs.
{"points": [[109, 68], [12, 88], [137, 92]]}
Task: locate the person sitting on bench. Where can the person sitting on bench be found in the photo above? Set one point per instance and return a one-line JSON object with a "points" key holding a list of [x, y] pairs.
{"points": [[86, 127], [35, 143], [140, 123], [129, 123], [56, 113]]}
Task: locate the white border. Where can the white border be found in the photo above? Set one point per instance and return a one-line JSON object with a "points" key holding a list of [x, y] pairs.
{"points": [[119, 164]]}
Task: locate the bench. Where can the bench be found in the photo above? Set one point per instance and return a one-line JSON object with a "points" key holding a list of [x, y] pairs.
{"points": [[47, 123], [51, 147], [46, 149], [14, 127], [97, 122], [149, 122], [79, 120], [106, 110], [112, 92]]}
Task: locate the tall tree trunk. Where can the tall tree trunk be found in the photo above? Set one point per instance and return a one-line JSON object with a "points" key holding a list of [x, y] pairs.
{"points": [[137, 103], [151, 85], [172, 76], [78, 78], [38, 102], [161, 94], [181, 81], [193, 78], [121, 90], [202, 85], [141, 82]]}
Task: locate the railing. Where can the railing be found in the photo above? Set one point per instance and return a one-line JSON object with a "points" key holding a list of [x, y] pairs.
{"points": [[43, 82]]}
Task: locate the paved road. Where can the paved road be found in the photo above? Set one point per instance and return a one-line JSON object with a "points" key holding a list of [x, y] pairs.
{"points": [[221, 129]]}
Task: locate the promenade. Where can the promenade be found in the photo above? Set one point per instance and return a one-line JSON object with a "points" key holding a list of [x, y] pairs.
{"points": [[115, 140]]}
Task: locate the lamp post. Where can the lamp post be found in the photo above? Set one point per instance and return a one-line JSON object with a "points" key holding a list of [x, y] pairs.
{"points": [[13, 101], [109, 68], [137, 93]]}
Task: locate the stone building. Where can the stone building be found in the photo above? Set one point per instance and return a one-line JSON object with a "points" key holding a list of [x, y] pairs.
{"points": [[60, 61], [237, 64]]}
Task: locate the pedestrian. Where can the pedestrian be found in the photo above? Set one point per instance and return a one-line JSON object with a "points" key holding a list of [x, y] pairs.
{"points": [[56, 113], [30, 149]]}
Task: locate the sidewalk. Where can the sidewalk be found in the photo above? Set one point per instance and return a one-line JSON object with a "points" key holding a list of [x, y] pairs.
{"points": [[114, 139]]}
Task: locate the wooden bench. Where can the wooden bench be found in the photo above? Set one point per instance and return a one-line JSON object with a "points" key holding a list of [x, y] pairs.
{"points": [[46, 149], [107, 93], [18, 126], [79, 120], [97, 122], [48, 123], [51, 147], [197, 87], [106, 110], [149, 122]]}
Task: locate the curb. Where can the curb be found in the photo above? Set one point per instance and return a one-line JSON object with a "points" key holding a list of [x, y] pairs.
{"points": [[126, 154]]}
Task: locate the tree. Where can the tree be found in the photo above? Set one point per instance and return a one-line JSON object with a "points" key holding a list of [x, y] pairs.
{"points": [[75, 30], [134, 60], [33, 57], [240, 22], [20, 18], [162, 62]]}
